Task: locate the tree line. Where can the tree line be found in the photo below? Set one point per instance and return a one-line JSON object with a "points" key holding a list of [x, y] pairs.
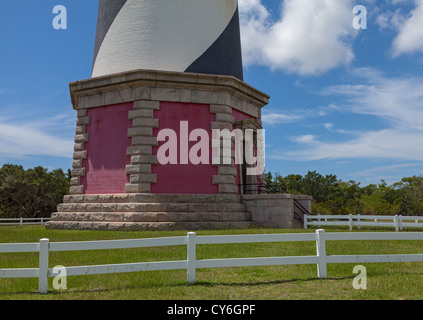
{"points": [[36, 192], [32, 193], [334, 196]]}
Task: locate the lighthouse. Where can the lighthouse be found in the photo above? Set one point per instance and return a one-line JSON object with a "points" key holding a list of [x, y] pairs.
{"points": [[161, 121]]}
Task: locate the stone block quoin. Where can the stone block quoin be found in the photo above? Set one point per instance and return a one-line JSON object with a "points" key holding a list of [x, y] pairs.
{"points": [[79, 154]]}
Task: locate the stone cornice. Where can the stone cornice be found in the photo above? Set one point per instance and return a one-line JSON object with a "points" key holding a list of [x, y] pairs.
{"points": [[130, 86]]}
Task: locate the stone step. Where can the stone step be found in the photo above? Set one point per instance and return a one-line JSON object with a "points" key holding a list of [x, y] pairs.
{"points": [[152, 198], [151, 207], [151, 216], [148, 226]]}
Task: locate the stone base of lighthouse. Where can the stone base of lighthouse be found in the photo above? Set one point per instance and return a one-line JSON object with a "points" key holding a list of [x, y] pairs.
{"points": [[118, 182], [130, 212]]}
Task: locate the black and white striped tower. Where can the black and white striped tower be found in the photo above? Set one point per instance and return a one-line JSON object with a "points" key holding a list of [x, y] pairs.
{"points": [[198, 36]]}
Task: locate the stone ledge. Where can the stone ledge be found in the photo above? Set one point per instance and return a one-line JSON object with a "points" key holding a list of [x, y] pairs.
{"points": [[152, 198], [151, 207], [148, 226], [151, 216], [164, 85]]}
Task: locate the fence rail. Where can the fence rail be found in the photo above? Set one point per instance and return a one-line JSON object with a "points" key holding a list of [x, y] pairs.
{"points": [[321, 259], [398, 222], [23, 221]]}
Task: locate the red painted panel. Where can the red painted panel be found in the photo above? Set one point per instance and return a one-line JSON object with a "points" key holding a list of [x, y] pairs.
{"points": [[108, 139], [238, 115], [184, 178]]}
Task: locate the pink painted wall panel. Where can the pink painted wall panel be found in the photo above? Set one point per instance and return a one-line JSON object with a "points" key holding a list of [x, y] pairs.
{"points": [[108, 139], [184, 178]]}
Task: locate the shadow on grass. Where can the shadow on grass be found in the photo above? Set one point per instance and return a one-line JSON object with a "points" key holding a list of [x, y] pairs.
{"points": [[63, 293], [264, 283]]}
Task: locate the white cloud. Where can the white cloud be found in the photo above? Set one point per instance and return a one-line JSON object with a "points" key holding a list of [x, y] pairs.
{"points": [[384, 144], [21, 141], [310, 37], [278, 118], [398, 102], [38, 137], [410, 37], [306, 139], [291, 116], [389, 168], [405, 18]]}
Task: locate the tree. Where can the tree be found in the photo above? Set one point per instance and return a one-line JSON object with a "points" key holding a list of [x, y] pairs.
{"points": [[410, 195], [31, 193]]}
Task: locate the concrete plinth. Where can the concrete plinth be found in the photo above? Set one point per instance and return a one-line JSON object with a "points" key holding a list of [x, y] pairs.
{"points": [[276, 210]]}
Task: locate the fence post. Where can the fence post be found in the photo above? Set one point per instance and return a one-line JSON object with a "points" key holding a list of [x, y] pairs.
{"points": [[20, 220], [321, 254], [396, 223], [318, 220], [400, 222], [358, 220], [350, 221], [305, 221], [191, 257], [43, 266]]}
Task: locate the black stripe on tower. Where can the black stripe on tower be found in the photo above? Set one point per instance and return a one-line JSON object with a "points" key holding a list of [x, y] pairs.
{"points": [[224, 56], [107, 13]]}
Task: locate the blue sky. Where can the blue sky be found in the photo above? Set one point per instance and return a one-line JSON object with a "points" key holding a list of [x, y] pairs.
{"points": [[343, 101]]}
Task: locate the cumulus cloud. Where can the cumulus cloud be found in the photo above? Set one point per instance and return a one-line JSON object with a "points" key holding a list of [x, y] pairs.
{"points": [[410, 37], [405, 18], [308, 38]]}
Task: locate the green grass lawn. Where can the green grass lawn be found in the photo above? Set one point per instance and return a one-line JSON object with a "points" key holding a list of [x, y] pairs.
{"points": [[384, 280]]}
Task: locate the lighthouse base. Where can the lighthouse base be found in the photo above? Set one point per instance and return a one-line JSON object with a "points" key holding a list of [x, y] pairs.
{"points": [[129, 123], [130, 212]]}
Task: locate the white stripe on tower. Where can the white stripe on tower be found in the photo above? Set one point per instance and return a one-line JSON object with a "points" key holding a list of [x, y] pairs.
{"points": [[161, 34]]}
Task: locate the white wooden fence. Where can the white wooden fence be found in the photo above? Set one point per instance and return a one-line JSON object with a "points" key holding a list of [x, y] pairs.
{"points": [[397, 222], [321, 259], [22, 221]]}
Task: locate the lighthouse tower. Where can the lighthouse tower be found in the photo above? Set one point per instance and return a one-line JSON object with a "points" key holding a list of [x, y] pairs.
{"points": [[180, 35], [167, 81]]}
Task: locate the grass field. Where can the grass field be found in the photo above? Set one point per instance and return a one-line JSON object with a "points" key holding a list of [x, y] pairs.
{"points": [[385, 281]]}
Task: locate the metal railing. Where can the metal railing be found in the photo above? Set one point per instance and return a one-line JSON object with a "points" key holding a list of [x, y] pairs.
{"points": [[260, 188], [300, 211]]}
